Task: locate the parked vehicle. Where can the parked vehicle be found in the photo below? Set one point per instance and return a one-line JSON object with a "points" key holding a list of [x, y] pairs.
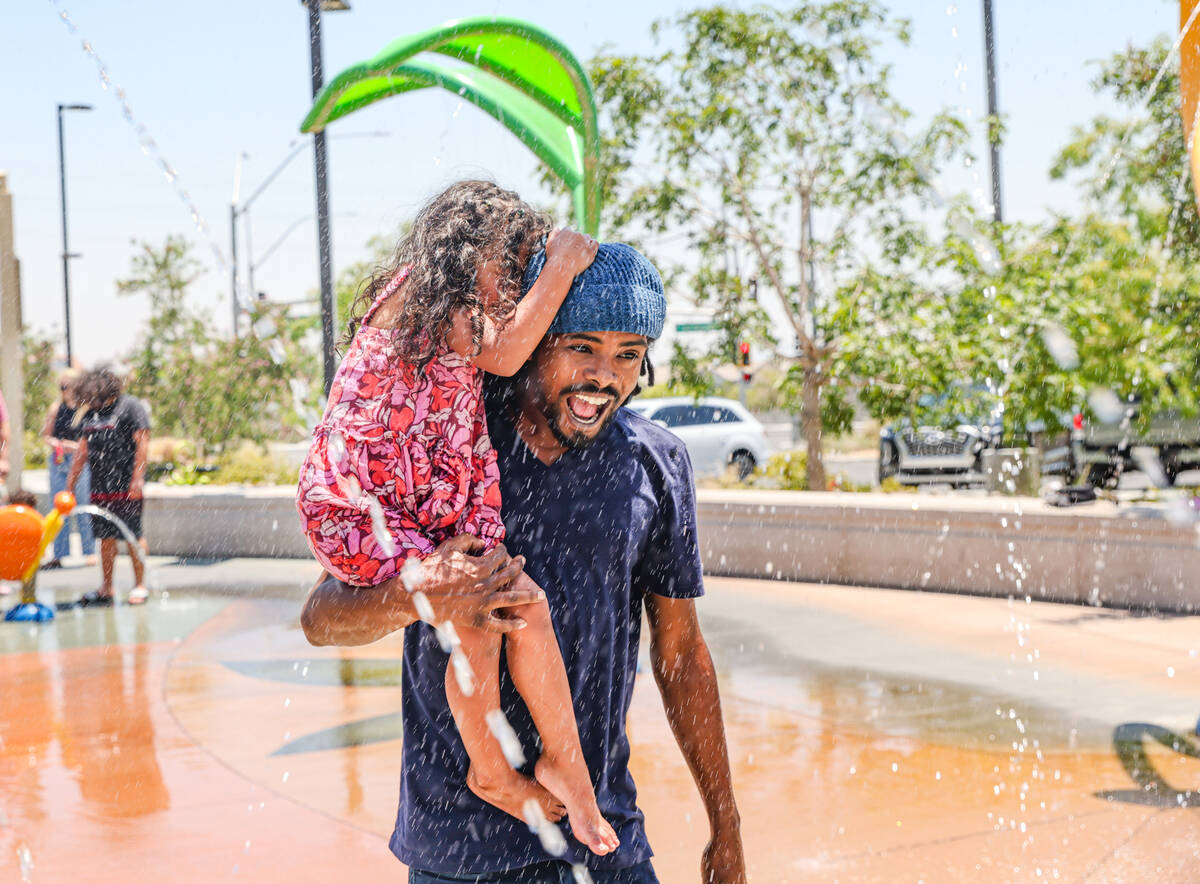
{"points": [[917, 455], [1101, 452], [719, 433], [952, 452]]}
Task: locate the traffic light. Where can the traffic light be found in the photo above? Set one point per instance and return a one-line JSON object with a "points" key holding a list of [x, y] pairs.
{"points": [[744, 347]]}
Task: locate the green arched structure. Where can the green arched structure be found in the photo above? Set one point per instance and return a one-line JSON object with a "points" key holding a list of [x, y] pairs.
{"points": [[513, 70]]}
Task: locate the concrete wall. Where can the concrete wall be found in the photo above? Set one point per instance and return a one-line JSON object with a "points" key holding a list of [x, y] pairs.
{"points": [[990, 546], [987, 546]]}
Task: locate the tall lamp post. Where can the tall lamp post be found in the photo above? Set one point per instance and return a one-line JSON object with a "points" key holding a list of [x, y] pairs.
{"points": [[66, 251], [324, 244], [989, 49]]}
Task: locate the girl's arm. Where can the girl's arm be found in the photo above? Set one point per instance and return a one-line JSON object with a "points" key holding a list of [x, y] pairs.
{"points": [[506, 349]]}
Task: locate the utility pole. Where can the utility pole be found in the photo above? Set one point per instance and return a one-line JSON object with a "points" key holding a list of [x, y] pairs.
{"points": [[66, 251], [993, 130], [324, 243], [233, 255]]}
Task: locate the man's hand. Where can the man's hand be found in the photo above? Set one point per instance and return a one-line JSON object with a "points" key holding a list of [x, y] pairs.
{"points": [[468, 590], [472, 590], [137, 486], [723, 861]]}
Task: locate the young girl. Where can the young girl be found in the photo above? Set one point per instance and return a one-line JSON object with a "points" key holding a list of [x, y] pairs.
{"points": [[405, 427]]}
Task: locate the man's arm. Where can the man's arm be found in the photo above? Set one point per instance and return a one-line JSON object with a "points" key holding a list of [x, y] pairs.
{"points": [[77, 465], [468, 590], [137, 482], [687, 680]]}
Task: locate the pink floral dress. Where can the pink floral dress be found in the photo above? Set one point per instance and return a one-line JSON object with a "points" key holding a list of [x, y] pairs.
{"points": [[418, 445]]}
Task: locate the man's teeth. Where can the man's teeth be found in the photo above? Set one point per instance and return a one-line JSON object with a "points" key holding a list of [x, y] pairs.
{"points": [[598, 401]]}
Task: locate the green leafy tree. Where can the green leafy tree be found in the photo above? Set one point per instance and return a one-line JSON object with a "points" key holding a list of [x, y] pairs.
{"points": [[933, 328], [208, 388], [771, 142], [40, 387], [1078, 306], [1137, 163]]}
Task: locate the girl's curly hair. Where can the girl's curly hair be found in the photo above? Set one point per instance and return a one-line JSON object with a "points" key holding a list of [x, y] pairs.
{"points": [[467, 224]]}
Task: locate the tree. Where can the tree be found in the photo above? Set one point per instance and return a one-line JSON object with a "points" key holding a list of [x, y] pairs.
{"points": [[933, 333], [1137, 165], [207, 388], [757, 130]]}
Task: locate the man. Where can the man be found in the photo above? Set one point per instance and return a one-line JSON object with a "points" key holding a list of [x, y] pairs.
{"points": [[114, 442], [599, 506]]}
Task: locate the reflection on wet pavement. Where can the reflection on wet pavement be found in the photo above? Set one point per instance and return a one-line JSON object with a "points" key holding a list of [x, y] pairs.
{"points": [[875, 736]]}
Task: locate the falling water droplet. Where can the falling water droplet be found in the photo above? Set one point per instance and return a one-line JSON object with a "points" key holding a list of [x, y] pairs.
{"points": [[1060, 346], [379, 527], [1106, 405], [411, 574], [463, 674], [337, 447], [424, 608], [552, 839], [510, 743], [25, 858]]}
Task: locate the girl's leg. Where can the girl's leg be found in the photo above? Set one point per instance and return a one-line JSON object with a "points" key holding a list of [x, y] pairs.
{"points": [[537, 669], [83, 495], [490, 777]]}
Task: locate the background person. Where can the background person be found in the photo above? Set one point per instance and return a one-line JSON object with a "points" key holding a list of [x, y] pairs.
{"points": [[61, 432], [114, 442]]}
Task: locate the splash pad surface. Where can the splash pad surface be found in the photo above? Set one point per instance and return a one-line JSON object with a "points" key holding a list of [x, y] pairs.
{"points": [[200, 738]]}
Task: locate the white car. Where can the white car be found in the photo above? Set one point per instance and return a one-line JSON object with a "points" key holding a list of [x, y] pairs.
{"points": [[718, 433]]}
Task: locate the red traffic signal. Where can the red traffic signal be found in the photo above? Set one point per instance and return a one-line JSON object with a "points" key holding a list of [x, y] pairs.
{"points": [[745, 349]]}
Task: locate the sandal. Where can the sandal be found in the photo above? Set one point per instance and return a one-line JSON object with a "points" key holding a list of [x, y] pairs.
{"points": [[138, 596], [94, 600]]}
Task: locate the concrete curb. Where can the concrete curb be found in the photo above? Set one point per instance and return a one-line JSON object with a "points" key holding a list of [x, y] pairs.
{"points": [[1097, 554]]}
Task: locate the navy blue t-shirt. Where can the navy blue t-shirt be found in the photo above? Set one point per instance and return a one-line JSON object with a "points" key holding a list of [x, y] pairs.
{"points": [[600, 528]]}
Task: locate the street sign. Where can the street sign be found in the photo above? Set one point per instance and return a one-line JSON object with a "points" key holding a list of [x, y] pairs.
{"points": [[696, 326]]}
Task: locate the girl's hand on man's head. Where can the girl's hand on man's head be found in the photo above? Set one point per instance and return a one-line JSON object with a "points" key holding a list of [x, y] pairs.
{"points": [[571, 250]]}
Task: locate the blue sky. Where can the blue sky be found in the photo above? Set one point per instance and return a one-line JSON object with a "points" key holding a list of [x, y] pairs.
{"points": [[212, 79]]}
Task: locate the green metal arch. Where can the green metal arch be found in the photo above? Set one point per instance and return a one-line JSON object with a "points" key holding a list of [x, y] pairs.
{"points": [[518, 73]]}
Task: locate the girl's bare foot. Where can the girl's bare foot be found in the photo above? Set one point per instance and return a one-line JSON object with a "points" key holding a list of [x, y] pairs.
{"points": [[587, 823], [510, 791]]}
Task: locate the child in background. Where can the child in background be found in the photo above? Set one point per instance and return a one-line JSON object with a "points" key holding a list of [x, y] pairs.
{"points": [[404, 435]]}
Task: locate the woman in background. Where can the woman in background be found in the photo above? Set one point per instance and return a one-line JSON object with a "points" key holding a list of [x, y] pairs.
{"points": [[61, 431]]}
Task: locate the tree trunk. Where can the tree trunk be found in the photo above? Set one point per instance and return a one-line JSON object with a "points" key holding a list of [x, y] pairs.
{"points": [[810, 422]]}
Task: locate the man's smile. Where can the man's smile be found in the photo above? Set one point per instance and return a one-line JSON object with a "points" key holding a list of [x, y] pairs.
{"points": [[587, 409]]}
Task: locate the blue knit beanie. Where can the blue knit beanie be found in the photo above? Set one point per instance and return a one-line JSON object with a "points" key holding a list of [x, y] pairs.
{"points": [[621, 291]]}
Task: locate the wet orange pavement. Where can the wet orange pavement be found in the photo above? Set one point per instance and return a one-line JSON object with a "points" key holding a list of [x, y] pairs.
{"points": [[876, 736]]}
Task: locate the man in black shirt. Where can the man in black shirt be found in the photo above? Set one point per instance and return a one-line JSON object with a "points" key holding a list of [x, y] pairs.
{"points": [[116, 436]]}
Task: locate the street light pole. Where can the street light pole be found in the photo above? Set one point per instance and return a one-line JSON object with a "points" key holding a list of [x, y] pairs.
{"points": [[324, 244], [989, 47], [66, 251], [233, 255]]}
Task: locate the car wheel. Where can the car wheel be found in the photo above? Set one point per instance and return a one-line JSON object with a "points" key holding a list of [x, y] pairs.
{"points": [[889, 461], [743, 464], [1100, 475]]}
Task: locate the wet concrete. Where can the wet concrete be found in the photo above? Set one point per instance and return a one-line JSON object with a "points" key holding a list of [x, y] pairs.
{"points": [[875, 736]]}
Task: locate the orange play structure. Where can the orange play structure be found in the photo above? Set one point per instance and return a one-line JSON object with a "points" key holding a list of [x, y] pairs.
{"points": [[24, 536], [1189, 81]]}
